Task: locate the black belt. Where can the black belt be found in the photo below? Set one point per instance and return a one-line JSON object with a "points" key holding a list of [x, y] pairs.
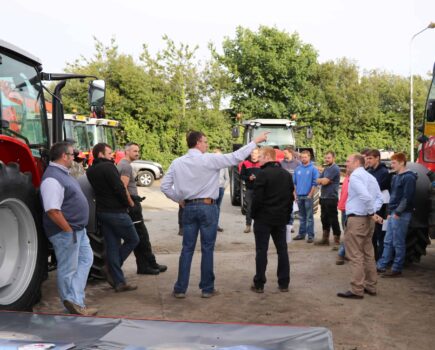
{"points": [[359, 216], [201, 200]]}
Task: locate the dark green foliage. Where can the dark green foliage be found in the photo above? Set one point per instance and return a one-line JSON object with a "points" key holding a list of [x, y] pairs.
{"points": [[263, 74]]}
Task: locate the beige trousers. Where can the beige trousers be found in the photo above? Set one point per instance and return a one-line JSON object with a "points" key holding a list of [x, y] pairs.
{"points": [[360, 252]]}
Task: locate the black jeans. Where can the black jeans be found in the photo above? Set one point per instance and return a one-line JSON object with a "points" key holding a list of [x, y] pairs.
{"points": [[379, 235], [248, 199], [262, 234], [329, 215], [143, 251]]}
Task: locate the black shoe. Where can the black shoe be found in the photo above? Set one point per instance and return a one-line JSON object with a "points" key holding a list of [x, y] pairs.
{"points": [[392, 274], [161, 268], [220, 229], [257, 289], [349, 295], [299, 238], [380, 271], [148, 271], [283, 289], [310, 240]]}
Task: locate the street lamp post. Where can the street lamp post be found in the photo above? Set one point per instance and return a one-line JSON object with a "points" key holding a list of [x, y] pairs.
{"points": [[411, 89]]}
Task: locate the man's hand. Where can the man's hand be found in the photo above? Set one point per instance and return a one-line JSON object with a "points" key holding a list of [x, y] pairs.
{"points": [[130, 202], [396, 217], [252, 177], [262, 137], [378, 219], [182, 204]]}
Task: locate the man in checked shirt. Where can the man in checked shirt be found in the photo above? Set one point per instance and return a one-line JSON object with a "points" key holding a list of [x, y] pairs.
{"points": [[193, 181]]}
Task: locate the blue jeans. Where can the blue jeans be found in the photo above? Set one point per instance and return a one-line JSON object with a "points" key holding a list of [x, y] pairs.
{"points": [[395, 242], [219, 201], [306, 218], [117, 226], [74, 260], [202, 218]]}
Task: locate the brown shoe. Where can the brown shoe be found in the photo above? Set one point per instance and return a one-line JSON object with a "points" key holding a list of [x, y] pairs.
{"points": [[324, 240], [392, 274], [124, 287], [339, 260], [247, 229], [75, 309]]}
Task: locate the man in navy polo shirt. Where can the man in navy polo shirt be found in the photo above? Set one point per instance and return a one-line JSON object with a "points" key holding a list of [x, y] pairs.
{"points": [[330, 181]]}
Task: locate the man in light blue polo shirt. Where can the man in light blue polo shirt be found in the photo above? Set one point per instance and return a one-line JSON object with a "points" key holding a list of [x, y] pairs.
{"points": [[304, 178], [193, 181]]}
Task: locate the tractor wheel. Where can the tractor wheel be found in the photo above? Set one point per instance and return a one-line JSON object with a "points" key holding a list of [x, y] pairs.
{"points": [[417, 239], [243, 203], [145, 178], [235, 186], [23, 245]]}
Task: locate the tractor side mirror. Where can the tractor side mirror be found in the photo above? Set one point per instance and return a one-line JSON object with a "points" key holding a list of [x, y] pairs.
{"points": [[309, 133], [235, 132], [97, 94]]}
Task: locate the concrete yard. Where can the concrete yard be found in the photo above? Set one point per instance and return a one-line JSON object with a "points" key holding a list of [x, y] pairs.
{"points": [[400, 317]]}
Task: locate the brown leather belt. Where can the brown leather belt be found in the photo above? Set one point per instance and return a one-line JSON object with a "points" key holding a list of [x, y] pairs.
{"points": [[201, 200]]}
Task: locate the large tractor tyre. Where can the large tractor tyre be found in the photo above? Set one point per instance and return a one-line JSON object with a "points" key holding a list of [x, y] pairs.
{"points": [[417, 239], [145, 178], [98, 270], [235, 186], [23, 245], [243, 203]]}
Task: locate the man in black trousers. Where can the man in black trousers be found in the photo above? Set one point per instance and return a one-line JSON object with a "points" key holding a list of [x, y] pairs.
{"points": [[271, 210]]}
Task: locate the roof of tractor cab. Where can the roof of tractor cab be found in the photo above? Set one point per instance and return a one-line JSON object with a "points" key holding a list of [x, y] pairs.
{"points": [[16, 51], [268, 121]]}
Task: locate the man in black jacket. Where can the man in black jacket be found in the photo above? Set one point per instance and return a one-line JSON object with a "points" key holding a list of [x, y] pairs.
{"points": [[383, 177], [112, 204], [271, 210]]}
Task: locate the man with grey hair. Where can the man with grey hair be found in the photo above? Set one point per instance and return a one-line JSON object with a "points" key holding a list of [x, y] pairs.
{"points": [[66, 214], [145, 260], [364, 200]]}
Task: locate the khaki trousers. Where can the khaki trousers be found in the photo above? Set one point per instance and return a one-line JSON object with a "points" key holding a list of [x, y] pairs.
{"points": [[360, 251]]}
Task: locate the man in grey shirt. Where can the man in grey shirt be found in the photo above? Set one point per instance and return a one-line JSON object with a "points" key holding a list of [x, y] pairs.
{"points": [[145, 260]]}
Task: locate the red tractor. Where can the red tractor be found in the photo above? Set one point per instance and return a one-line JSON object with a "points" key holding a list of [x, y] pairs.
{"points": [[24, 145]]}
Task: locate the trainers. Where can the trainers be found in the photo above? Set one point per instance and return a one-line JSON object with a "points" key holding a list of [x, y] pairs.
{"points": [[220, 229], [179, 295], [310, 240], [124, 287], [75, 309], [247, 229], [299, 238], [213, 293], [257, 289], [392, 274], [339, 260]]}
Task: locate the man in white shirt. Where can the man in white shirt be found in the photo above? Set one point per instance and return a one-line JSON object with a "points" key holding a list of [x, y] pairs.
{"points": [[193, 181]]}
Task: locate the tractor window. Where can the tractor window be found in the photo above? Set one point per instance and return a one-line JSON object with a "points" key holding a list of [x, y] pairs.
{"points": [[22, 110], [92, 129], [280, 136], [76, 131]]}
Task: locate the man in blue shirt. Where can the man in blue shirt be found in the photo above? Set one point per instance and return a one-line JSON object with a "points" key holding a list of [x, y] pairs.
{"points": [[305, 177], [363, 201], [193, 181], [330, 181]]}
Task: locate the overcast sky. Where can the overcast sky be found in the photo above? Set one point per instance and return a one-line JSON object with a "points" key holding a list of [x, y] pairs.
{"points": [[374, 33]]}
